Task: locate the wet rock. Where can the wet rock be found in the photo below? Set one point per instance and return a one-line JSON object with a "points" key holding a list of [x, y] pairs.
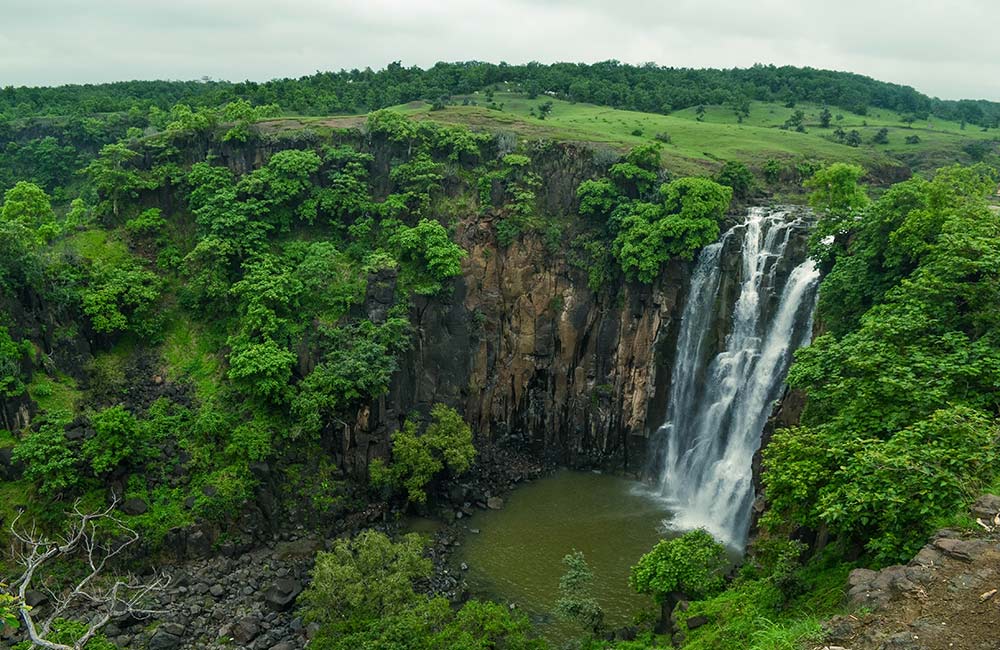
{"points": [[217, 590]]}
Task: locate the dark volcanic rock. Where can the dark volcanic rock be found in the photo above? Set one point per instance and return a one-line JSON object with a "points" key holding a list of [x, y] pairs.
{"points": [[281, 595], [133, 506]]}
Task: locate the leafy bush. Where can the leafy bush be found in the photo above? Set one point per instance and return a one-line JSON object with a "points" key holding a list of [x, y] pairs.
{"points": [[736, 175], [428, 255], [49, 460], [362, 596], [692, 564], [117, 438], [11, 355], [417, 457]]}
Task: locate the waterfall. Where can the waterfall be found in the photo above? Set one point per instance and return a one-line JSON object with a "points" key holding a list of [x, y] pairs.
{"points": [[722, 389]]}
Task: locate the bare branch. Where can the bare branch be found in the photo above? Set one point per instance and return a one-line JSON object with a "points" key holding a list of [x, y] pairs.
{"points": [[83, 539]]}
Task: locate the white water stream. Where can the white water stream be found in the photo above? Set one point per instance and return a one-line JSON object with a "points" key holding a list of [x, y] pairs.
{"points": [[721, 393]]}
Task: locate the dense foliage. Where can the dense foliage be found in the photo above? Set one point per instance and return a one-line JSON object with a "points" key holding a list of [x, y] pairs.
{"points": [[649, 221], [362, 596], [419, 456], [904, 389]]}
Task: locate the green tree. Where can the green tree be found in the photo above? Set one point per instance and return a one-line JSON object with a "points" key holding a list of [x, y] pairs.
{"points": [[419, 456], [838, 195], [576, 601], [428, 255], [114, 178], [692, 564], [121, 298], [824, 117], [242, 114], [28, 207], [365, 577]]}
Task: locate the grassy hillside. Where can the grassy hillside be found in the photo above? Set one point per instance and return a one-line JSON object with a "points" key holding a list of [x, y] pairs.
{"points": [[696, 146]]}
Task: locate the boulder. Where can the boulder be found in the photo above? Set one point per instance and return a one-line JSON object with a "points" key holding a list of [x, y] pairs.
{"points": [[494, 503], [133, 506], [35, 598], [280, 597], [164, 640], [246, 630], [198, 544], [297, 548], [986, 507], [961, 549], [695, 622]]}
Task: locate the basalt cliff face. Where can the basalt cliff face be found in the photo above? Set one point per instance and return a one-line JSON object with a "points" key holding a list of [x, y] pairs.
{"points": [[532, 356]]}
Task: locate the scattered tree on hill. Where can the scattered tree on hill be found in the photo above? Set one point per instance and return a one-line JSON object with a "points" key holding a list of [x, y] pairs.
{"points": [[824, 118]]}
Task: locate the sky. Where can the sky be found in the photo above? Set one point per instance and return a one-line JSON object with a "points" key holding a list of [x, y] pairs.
{"points": [[945, 49]]}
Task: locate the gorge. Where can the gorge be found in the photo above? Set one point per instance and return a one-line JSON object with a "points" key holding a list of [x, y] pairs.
{"points": [[264, 344]]}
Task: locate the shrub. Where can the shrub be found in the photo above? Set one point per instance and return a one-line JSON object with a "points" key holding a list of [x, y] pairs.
{"points": [[692, 564], [417, 457]]}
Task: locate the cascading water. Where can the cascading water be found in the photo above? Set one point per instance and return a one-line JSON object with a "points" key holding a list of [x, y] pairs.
{"points": [[722, 390]]}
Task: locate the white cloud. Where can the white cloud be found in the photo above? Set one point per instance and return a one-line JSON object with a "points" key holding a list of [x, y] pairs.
{"points": [[941, 49]]}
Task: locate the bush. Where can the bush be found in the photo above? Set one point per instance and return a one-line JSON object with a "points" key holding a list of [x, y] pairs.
{"points": [[365, 577], [117, 438], [418, 457], [692, 564], [738, 176], [49, 460]]}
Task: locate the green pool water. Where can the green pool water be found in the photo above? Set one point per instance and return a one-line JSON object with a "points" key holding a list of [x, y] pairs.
{"points": [[517, 555]]}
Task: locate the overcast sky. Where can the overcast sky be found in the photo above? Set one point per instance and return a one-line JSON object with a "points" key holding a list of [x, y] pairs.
{"points": [[948, 49]]}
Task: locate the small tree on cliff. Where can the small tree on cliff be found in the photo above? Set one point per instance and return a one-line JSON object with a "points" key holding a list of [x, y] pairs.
{"points": [[418, 456]]}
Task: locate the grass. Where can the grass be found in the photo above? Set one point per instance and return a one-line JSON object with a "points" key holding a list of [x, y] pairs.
{"points": [[697, 146], [190, 353], [58, 393], [97, 245], [752, 614]]}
